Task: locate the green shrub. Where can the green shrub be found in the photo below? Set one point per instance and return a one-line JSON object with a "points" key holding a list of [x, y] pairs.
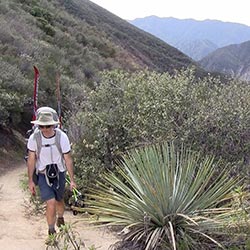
{"points": [[40, 12], [45, 26], [125, 111], [13, 90]]}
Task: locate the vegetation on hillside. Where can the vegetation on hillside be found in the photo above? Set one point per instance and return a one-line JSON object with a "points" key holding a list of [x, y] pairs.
{"points": [[78, 39], [126, 111], [13, 93]]}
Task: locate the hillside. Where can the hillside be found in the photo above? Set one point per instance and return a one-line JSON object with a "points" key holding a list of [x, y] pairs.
{"points": [[75, 38], [78, 36], [233, 60], [146, 50], [194, 38]]}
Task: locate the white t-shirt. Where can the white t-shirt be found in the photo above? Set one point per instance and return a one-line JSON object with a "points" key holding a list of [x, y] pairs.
{"points": [[49, 153]]}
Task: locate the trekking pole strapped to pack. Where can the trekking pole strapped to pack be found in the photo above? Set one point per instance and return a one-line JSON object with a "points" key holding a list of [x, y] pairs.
{"points": [[58, 95], [35, 94]]}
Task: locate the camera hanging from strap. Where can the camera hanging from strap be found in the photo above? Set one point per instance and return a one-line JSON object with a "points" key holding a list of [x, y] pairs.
{"points": [[52, 175], [51, 170]]}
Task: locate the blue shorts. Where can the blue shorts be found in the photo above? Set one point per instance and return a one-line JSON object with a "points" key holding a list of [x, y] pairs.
{"points": [[55, 191]]}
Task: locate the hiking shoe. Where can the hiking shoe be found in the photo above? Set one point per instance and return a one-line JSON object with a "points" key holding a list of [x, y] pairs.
{"points": [[60, 222], [51, 231]]}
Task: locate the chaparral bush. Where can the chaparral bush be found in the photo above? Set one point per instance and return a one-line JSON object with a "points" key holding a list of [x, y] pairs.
{"points": [[13, 90], [127, 110]]}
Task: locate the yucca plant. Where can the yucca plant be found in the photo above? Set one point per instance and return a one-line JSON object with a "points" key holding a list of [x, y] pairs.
{"points": [[166, 197]]}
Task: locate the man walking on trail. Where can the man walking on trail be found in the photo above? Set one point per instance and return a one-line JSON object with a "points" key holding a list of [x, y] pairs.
{"points": [[50, 161]]}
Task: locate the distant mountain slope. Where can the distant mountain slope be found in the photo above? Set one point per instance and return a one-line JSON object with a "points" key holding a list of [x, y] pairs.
{"points": [[146, 50], [194, 38], [80, 38], [77, 39], [233, 60]]}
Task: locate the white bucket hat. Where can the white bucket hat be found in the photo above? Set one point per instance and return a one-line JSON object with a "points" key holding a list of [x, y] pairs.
{"points": [[45, 119], [47, 110]]}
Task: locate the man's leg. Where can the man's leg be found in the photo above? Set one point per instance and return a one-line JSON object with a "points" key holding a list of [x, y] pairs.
{"points": [[51, 215], [60, 206], [47, 195], [60, 212]]}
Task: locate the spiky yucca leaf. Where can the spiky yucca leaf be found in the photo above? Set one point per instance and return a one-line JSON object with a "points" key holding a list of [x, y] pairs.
{"points": [[165, 197]]}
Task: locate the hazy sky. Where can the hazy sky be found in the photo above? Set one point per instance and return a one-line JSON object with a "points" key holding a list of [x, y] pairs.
{"points": [[237, 11]]}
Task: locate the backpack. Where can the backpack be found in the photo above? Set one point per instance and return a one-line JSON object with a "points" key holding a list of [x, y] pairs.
{"points": [[51, 170]]}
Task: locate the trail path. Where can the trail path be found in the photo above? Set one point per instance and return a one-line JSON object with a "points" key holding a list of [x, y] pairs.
{"points": [[21, 232]]}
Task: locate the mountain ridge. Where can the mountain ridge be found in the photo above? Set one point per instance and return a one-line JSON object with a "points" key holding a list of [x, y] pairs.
{"points": [[233, 60], [184, 34]]}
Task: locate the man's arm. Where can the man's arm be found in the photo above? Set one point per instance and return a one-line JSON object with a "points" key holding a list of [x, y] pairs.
{"points": [[31, 167], [69, 164]]}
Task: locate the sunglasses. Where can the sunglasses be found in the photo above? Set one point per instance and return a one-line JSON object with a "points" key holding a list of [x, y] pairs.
{"points": [[47, 126]]}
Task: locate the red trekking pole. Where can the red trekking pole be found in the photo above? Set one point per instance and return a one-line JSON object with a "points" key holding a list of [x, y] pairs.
{"points": [[35, 94]]}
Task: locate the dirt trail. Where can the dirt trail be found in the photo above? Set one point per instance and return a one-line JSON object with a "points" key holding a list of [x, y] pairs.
{"points": [[18, 232]]}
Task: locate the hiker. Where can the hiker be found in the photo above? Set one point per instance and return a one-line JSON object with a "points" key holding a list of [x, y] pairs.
{"points": [[50, 162]]}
